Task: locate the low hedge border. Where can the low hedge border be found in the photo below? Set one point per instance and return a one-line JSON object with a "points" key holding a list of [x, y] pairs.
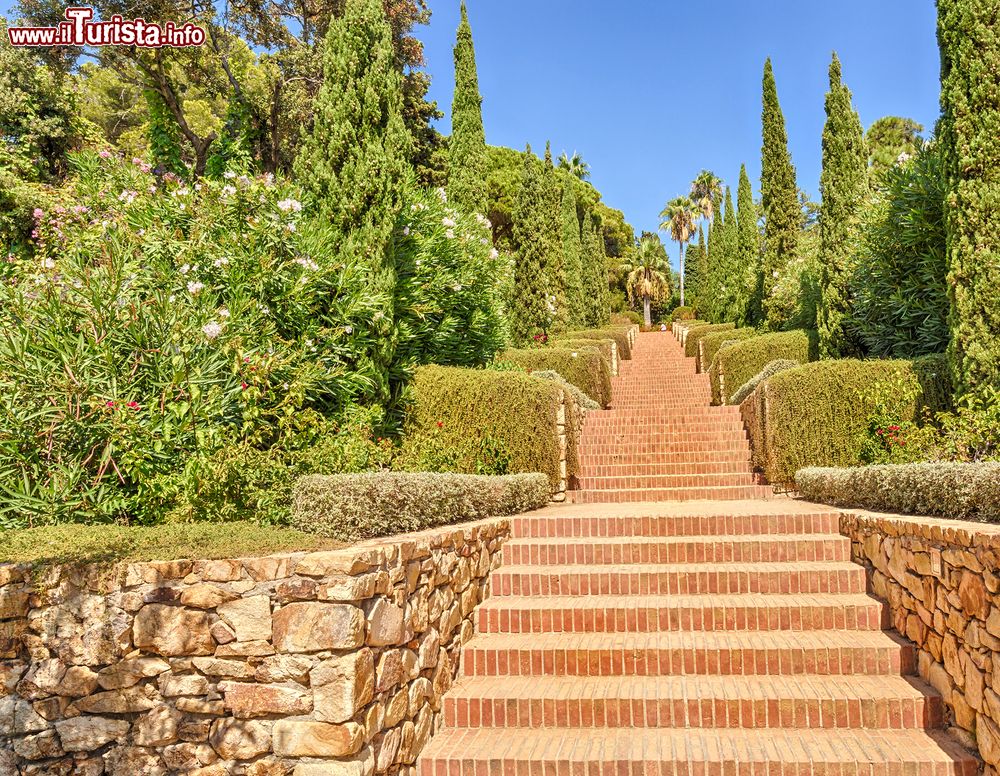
{"points": [[956, 490], [737, 364], [585, 367], [351, 507], [779, 365], [608, 348], [681, 328], [695, 335], [711, 344], [818, 414], [620, 334], [458, 409]]}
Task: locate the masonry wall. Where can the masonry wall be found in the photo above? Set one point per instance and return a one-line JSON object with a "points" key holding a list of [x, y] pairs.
{"points": [[320, 664], [941, 579]]}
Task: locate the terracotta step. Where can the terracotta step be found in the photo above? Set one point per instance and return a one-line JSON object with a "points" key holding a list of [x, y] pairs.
{"points": [[726, 653], [645, 614], [670, 494], [683, 579], [634, 435], [709, 522], [668, 456], [597, 551], [660, 469], [694, 752], [666, 446], [647, 481], [813, 702]]}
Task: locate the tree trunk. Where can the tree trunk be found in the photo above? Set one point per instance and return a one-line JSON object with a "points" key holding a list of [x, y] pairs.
{"points": [[682, 273], [646, 311]]}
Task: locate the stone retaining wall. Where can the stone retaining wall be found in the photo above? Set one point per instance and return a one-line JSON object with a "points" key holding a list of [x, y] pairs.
{"points": [[942, 581], [319, 664]]}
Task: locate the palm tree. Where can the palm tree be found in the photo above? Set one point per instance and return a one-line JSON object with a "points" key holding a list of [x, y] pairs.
{"points": [[679, 218], [706, 191], [647, 276], [575, 165]]}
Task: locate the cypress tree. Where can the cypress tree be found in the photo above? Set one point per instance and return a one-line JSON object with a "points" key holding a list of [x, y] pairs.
{"points": [[529, 305], [592, 271], [729, 273], [844, 186], [552, 232], [696, 272], [467, 148], [748, 252], [604, 286], [354, 165], [970, 132], [572, 265], [779, 193]]}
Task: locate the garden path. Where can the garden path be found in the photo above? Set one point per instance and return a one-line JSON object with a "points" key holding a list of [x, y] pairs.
{"points": [[722, 637]]}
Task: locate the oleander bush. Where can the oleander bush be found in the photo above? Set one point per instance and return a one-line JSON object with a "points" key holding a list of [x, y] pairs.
{"points": [[617, 333], [584, 367], [473, 421], [778, 365], [956, 490], [823, 413], [350, 507], [711, 344], [695, 335], [738, 364]]}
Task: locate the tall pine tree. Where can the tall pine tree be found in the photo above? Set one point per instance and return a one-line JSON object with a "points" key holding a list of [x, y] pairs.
{"points": [[970, 132], [552, 233], [748, 252], [354, 165], [844, 186], [467, 160], [780, 197], [529, 303], [572, 266]]}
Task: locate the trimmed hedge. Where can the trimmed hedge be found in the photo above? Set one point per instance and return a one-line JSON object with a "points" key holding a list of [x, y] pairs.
{"points": [[460, 409], [779, 365], [350, 507], [711, 344], [736, 365], [604, 345], [686, 313], [818, 414], [695, 335], [585, 367], [617, 333], [957, 490]]}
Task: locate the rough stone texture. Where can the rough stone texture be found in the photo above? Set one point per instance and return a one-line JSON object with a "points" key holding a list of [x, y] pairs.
{"points": [[330, 663], [940, 580]]}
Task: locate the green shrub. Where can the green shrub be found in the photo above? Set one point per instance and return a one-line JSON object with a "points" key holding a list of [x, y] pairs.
{"points": [[820, 414], [583, 401], [618, 334], [350, 507], [738, 364], [604, 345], [779, 365], [954, 490], [686, 313], [630, 317], [695, 335], [459, 411], [585, 367], [713, 343]]}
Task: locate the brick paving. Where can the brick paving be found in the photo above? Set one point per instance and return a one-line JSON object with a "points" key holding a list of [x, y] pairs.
{"points": [[688, 628]]}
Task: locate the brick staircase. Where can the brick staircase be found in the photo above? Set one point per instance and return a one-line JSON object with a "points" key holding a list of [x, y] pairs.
{"points": [[660, 440], [703, 638]]}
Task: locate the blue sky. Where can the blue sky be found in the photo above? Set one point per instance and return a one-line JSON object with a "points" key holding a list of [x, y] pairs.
{"points": [[652, 92]]}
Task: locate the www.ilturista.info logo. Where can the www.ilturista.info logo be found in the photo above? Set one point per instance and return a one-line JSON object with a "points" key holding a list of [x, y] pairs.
{"points": [[79, 30]]}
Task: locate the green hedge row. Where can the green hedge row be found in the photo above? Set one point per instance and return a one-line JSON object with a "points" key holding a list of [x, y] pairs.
{"points": [[617, 333], [778, 365], [695, 335], [686, 313], [711, 344], [739, 363], [350, 507], [606, 346], [469, 412], [957, 490], [818, 414], [585, 367]]}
